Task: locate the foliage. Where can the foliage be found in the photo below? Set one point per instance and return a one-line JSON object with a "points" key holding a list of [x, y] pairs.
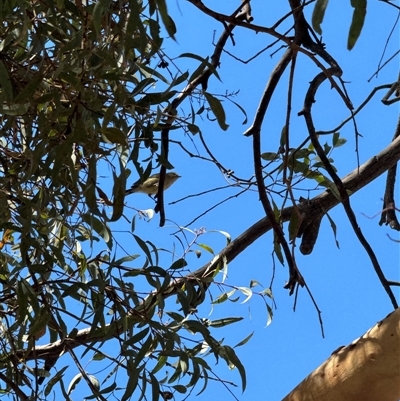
{"points": [[86, 90], [77, 98]]}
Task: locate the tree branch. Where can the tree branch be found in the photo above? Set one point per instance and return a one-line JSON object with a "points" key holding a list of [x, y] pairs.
{"points": [[389, 203], [320, 204], [368, 369], [342, 191]]}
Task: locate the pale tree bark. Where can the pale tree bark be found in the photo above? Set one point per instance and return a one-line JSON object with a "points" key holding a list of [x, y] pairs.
{"points": [[366, 370]]}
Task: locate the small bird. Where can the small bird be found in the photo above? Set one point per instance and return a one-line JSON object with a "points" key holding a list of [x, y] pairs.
{"points": [[150, 186]]}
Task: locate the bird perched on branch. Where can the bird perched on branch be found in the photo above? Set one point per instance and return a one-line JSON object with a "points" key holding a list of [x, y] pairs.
{"points": [[150, 186]]}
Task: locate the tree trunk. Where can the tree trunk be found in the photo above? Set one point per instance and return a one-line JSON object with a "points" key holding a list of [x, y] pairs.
{"points": [[368, 369]]}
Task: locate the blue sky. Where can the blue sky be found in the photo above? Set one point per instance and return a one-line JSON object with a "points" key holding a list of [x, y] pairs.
{"points": [[342, 280]]}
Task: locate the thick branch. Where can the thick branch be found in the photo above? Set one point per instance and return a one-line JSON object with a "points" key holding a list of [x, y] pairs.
{"points": [[368, 369]]}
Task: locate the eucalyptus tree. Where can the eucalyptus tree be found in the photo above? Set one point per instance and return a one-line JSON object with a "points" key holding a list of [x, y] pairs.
{"points": [[90, 94]]}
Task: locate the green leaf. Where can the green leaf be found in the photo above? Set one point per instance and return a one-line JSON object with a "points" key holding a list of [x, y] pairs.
{"points": [[268, 293], [27, 93], [176, 316], [162, 360], [231, 358], [100, 227], [332, 186], [196, 373], [357, 22], [179, 79], [118, 195], [133, 26], [72, 44], [105, 390], [94, 381], [283, 136], [54, 380], [196, 327], [278, 250], [335, 138], [144, 247], [269, 156], [221, 298], [301, 153], [318, 15], [178, 264], [154, 98], [140, 87], [90, 188], [194, 129], [327, 148], [294, 225], [241, 109], [206, 248], [14, 109], [337, 141], [199, 70], [333, 225], [254, 283], [224, 321], [270, 315], [115, 135], [225, 234], [137, 337], [40, 322], [5, 82], [176, 374], [205, 382], [98, 11], [133, 223], [200, 111], [143, 350], [98, 356], [244, 341], [150, 72], [179, 388], [166, 19], [124, 259], [300, 167], [133, 375], [75, 380], [246, 291], [217, 109], [29, 295], [201, 59]]}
